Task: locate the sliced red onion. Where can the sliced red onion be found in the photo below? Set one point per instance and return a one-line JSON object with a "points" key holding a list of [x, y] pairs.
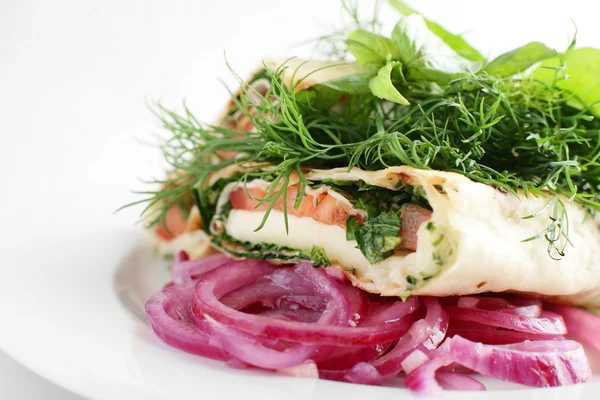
{"points": [[268, 289], [425, 335], [490, 335], [337, 274], [332, 375], [547, 323], [314, 303], [168, 313], [362, 373], [365, 374], [298, 315], [219, 282], [360, 306], [524, 307], [307, 369], [483, 302], [413, 361], [184, 270], [237, 364], [458, 381], [344, 358], [248, 349], [390, 312], [468, 302], [581, 324], [331, 329], [311, 322], [539, 363]]}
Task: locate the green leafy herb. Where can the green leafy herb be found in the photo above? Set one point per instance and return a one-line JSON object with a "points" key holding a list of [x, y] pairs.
{"points": [[319, 257], [261, 251], [518, 60], [578, 74], [352, 225], [371, 49], [378, 237], [382, 86], [455, 42], [357, 83], [411, 279], [375, 199], [425, 55]]}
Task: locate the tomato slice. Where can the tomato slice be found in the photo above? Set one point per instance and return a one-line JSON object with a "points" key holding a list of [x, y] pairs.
{"points": [[175, 222]]}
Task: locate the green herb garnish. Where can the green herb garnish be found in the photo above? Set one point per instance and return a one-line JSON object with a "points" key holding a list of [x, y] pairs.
{"points": [[319, 257], [377, 237]]}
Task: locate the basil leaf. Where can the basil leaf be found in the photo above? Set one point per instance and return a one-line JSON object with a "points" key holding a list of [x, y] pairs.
{"points": [[357, 83], [326, 94], [425, 55], [580, 77], [518, 60], [455, 42], [371, 49], [382, 86]]}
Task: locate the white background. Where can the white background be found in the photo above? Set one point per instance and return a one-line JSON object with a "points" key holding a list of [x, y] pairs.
{"points": [[75, 77]]}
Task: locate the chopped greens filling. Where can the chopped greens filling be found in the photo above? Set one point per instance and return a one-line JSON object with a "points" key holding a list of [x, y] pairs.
{"points": [[270, 251], [374, 199], [378, 237]]}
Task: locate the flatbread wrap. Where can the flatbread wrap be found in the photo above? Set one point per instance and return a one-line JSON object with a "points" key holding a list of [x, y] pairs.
{"points": [[472, 240]]}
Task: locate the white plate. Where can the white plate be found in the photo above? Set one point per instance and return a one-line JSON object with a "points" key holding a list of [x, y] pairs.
{"points": [[74, 76], [81, 327]]}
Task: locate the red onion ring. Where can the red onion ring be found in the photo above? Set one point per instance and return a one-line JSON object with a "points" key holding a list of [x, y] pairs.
{"points": [[218, 283], [307, 369], [539, 363], [425, 334], [524, 307], [344, 358], [491, 335], [336, 273], [547, 323], [185, 270], [168, 313], [458, 381], [246, 347], [267, 289], [365, 374], [581, 324], [331, 329]]}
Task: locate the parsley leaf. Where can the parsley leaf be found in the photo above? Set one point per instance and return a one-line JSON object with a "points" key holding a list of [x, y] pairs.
{"points": [[378, 237]]}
